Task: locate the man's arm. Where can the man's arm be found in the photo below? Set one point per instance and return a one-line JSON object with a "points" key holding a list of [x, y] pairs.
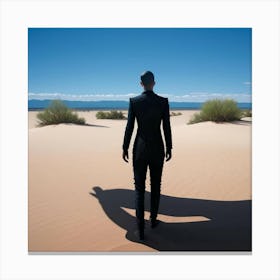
{"points": [[167, 130], [128, 131]]}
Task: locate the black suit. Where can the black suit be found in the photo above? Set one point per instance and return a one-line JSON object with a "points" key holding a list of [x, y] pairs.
{"points": [[150, 110]]}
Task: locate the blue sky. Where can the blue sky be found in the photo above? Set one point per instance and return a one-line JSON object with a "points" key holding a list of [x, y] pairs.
{"points": [[190, 64]]}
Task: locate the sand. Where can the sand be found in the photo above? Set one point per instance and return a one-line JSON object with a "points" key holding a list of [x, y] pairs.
{"points": [[206, 188]]}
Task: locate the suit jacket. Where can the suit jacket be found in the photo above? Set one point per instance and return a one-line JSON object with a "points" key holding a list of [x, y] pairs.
{"points": [[150, 110]]}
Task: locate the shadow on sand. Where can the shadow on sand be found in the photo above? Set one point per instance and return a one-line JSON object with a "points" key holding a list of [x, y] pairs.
{"points": [[228, 227], [92, 125]]}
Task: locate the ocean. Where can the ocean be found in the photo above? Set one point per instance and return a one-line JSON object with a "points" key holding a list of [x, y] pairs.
{"points": [[34, 105]]}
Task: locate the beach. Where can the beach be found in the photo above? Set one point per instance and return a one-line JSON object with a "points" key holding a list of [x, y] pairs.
{"points": [[81, 192]]}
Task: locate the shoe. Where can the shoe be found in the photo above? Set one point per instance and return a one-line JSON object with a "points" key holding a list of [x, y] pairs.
{"points": [[140, 229], [139, 234], [154, 223]]}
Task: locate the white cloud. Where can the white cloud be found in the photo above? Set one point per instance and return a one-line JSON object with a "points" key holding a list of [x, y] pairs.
{"points": [[80, 97], [247, 83], [204, 96], [190, 97]]}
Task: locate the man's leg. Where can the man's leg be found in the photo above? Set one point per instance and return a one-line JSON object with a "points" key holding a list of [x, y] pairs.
{"points": [[155, 175], [140, 170]]}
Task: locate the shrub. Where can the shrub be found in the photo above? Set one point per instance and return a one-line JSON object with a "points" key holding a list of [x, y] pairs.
{"points": [[173, 114], [58, 112], [217, 110], [115, 115], [196, 118], [246, 113]]}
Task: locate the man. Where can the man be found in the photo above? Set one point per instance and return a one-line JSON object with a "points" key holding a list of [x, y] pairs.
{"points": [[150, 110]]}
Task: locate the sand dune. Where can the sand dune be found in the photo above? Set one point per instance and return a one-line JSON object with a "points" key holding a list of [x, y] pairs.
{"points": [[81, 191]]}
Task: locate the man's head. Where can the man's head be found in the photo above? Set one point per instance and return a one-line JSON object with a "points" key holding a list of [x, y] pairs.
{"points": [[148, 80]]}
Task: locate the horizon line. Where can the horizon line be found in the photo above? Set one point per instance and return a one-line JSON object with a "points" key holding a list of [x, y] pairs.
{"points": [[190, 97], [249, 102]]}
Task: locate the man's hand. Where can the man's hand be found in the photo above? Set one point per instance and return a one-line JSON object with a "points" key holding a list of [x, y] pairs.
{"points": [[168, 155], [125, 155]]}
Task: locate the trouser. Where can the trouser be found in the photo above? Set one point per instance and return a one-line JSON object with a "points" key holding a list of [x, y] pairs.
{"points": [[140, 170]]}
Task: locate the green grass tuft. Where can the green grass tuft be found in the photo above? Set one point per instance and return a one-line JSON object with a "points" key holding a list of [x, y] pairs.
{"points": [[217, 110], [115, 115], [58, 112]]}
